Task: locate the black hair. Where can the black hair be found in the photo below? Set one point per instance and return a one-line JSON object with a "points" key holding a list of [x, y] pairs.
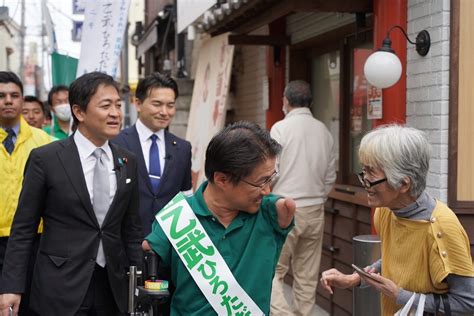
{"points": [[298, 93], [83, 88], [155, 80], [237, 149], [55, 90], [30, 98], [47, 110], [10, 77]]}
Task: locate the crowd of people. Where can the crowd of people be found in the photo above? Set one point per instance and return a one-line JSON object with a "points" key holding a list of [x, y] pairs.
{"points": [[81, 199]]}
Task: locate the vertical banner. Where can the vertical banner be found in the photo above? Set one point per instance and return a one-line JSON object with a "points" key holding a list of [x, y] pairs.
{"points": [[49, 28], [102, 36], [211, 86]]}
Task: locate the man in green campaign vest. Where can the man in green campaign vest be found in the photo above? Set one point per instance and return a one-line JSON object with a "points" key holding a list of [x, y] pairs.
{"points": [[223, 243]]}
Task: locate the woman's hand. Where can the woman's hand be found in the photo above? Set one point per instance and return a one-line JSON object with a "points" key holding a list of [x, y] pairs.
{"points": [[383, 285], [334, 278]]}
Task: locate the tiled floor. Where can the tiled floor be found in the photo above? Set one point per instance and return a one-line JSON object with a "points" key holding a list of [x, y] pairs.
{"points": [[317, 311]]}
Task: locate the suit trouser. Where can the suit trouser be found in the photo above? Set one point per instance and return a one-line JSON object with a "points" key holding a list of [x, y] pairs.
{"points": [[302, 250], [25, 297], [99, 300]]}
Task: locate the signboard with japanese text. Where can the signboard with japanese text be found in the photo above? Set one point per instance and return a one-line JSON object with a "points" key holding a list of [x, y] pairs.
{"points": [[208, 103], [102, 36], [190, 10], [374, 102]]}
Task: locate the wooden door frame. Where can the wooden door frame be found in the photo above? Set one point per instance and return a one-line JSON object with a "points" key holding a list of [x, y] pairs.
{"points": [[460, 207]]}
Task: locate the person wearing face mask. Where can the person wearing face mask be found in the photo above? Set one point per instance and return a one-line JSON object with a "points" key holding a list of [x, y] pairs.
{"points": [[307, 174], [58, 99]]}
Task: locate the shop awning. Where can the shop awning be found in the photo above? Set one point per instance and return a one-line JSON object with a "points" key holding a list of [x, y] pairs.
{"points": [[257, 13]]}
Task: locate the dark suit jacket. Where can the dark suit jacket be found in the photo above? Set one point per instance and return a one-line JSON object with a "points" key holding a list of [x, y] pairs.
{"points": [[54, 188], [175, 178]]}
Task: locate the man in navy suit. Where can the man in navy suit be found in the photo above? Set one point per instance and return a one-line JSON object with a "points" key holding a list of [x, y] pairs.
{"points": [[164, 160]]}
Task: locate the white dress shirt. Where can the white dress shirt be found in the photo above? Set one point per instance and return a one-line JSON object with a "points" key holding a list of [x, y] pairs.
{"points": [[86, 149], [144, 134]]}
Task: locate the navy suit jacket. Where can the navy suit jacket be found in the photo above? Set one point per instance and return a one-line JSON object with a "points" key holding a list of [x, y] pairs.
{"points": [[175, 177]]}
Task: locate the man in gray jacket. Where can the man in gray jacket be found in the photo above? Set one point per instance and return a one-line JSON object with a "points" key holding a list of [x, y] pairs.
{"points": [[307, 174]]}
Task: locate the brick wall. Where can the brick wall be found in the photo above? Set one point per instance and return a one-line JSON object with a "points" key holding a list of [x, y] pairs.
{"points": [[428, 86]]}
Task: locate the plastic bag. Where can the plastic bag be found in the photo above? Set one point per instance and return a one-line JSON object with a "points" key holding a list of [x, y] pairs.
{"points": [[406, 310]]}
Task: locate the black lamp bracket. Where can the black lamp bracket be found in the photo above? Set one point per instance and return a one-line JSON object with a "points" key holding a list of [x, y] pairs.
{"points": [[422, 41]]}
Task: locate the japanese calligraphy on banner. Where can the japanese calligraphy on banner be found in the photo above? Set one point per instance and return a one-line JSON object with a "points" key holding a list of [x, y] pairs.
{"points": [[208, 103], [374, 102], [102, 36], [203, 260]]}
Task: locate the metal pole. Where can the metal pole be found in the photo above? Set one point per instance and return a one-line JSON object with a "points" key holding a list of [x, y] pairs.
{"points": [[132, 284], [22, 41], [366, 250], [125, 77]]}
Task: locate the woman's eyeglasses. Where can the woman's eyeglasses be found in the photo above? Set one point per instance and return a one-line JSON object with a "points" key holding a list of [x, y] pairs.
{"points": [[368, 184]]}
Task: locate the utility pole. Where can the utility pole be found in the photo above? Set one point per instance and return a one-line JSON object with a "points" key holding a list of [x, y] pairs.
{"points": [[22, 41], [124, 79]]}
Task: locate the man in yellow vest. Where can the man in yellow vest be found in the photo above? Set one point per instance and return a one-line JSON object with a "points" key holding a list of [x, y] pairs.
{"points": [[17, 140]]}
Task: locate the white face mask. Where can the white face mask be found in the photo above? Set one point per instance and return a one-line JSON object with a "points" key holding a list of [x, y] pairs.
{"points": [[63, 112]]}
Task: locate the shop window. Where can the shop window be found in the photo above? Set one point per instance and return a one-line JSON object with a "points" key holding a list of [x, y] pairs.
{"points": [[359, 122]]}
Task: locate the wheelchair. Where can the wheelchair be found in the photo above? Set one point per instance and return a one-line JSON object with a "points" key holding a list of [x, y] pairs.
{"points": [[145, 291]]}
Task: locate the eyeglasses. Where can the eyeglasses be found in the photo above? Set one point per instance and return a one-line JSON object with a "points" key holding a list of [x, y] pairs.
{"points": [[368, 184], [265, 183]]}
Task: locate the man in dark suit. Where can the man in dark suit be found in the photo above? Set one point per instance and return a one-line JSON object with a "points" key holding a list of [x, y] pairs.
{"points": [[164, 164], [86, 191]]}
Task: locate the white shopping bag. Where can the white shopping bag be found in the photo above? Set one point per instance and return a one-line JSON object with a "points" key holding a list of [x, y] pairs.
{"points": [[405, 311]]}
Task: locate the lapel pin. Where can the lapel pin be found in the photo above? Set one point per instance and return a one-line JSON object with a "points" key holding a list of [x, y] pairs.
{"points": [[174, 143], [121, 162]]}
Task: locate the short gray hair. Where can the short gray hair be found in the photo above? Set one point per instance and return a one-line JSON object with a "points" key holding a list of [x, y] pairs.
{"points": [[298, 93], [400, 152]]}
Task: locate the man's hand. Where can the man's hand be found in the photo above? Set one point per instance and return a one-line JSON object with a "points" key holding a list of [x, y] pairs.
{"points": [[7, 300], [286, 209], [146, 246], [334, 278]]}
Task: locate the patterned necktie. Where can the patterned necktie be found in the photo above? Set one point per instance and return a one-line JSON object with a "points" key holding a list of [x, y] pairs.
{"points": [[100, 196], [154, 168], [8, 142]]}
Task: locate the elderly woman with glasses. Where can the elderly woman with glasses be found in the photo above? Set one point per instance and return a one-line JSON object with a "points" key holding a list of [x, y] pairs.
{"points": [[424, 247]]}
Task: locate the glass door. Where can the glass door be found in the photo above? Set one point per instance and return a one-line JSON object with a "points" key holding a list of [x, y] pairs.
{"points": [[326, 87]]}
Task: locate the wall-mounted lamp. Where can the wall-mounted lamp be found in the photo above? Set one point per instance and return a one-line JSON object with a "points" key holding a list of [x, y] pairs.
{"points": [[383, 68]]}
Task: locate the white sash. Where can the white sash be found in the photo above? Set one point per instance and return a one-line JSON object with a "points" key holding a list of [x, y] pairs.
{"points": [[203, 260]]}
